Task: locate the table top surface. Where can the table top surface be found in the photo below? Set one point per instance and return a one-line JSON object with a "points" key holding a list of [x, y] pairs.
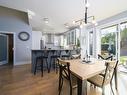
{"points": [[84, 70]]}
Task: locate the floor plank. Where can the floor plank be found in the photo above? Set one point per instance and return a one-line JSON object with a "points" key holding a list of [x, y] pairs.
{"points": [[20, 81]]}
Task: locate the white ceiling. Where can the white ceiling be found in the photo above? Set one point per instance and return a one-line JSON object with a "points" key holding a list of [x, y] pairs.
{"points": [[60, 12]]}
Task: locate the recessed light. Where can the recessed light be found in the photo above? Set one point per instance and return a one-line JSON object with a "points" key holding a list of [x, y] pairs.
{"points": [[30, 13], [46, 20]]}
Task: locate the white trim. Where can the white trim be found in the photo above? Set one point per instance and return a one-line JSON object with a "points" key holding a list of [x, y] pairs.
{"points": [[22, 63], [7, 49], [6, 60], [14, 44], [112, 23], [3, 62]]}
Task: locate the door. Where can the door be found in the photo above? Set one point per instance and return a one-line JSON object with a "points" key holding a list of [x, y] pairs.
{"points": [[109, 41], [123, 44], [3, 49]]}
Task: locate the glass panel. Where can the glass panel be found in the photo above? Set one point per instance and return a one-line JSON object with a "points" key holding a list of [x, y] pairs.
{"points": [[3, 48], [108, 41], [123, 44]]}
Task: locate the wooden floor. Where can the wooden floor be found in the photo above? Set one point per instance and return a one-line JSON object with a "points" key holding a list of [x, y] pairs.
{"points": [[20, 81]]}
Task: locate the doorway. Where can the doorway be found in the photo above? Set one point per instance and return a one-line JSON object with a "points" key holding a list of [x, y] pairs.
{"points": [[6, 49]]}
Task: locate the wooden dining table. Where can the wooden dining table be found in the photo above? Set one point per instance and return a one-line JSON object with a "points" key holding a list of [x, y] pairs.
{"points": [[82, 71]]}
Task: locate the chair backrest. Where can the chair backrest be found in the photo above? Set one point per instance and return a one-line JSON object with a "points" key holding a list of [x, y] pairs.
{"points": [[100, 57], [64, 68], [46, 53], [78, 56], [58, 52], [107, 58], [109, 72]]}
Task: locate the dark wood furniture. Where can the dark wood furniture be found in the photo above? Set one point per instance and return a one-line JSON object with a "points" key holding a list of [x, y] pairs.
{"points": [[110, 57], [84, 71], [64, 73]]}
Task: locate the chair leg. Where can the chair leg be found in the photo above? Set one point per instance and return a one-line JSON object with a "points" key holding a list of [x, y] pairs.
{"points": [[70, 88], [54, 63], [50, 64], [56, 67], [60, 76], [35, 67], [42, 68], [61, 85], [111, 88], [47, 65]]}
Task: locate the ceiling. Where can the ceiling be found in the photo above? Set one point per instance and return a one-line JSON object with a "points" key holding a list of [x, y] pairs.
{"points": [[60, 12]]}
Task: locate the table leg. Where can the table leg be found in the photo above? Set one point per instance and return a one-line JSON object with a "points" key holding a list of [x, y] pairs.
{"points": [[82, 87]]}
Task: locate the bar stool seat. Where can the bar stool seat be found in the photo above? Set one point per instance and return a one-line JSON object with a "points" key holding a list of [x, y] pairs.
{"points": [[53, 58], [67, 55]]}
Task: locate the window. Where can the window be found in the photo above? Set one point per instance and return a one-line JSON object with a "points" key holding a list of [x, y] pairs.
{"points": [[108, 40]]}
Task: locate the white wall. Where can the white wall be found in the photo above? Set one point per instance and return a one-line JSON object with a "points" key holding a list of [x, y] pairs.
{"points": [[36, 37]]}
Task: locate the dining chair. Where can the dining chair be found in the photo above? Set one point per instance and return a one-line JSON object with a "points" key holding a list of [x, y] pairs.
{"points": [[66, 55], [65, 73], [106, 58], [75, 56], [110, 57], [102, 81]]}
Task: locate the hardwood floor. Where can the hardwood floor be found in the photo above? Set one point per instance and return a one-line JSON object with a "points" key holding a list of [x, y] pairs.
{"points": [[20, 81]]}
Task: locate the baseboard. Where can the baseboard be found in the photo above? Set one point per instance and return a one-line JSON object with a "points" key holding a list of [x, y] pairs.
{"points": [[22, 63], [3, 62]]}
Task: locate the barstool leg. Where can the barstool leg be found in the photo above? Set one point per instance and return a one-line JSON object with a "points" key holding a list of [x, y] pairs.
{"points": [[42, 68], [50, 64], [47, 65], [35, 67]]}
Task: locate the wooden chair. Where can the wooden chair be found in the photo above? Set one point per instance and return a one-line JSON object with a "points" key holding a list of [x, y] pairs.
{"points": [[64, 73], [107, 58], [76, 56], [100, 80]]}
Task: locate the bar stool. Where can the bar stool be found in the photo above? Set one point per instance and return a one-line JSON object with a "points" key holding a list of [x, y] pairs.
{"points": [[43, 59], [55, 54], [67, 55]]}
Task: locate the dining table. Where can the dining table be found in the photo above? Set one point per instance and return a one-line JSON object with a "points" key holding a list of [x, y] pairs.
{"points": [[83, 70]]}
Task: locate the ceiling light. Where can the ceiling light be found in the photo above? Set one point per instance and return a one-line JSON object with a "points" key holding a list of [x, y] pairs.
{"points": [[87, 4], [46, 20], [66, 25], [73, 22], [87, 18]]}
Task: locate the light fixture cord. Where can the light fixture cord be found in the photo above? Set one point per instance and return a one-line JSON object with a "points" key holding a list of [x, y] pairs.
{"points": [[86, 12]]}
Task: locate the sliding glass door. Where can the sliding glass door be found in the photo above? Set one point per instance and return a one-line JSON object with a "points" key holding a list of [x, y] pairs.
{"points": [[109, 41], [123, 44]]}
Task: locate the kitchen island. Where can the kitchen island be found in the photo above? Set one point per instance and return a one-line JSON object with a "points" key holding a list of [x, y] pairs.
{"points": [[35, 53]]}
